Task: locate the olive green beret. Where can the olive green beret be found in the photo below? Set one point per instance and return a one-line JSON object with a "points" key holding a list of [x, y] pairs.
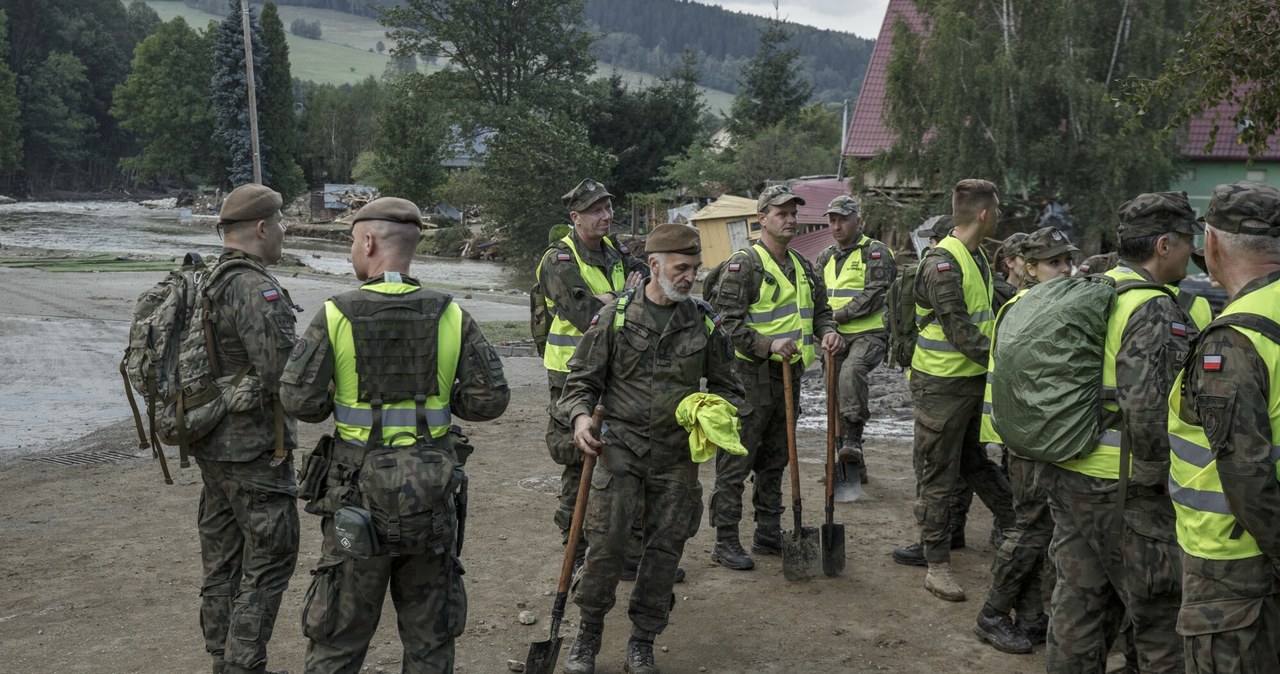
{"points": [[673, 238], [1157, 213], [1045, 243], [250, 202], [391, 209], [586, 193], [776, 195], [1245, 208]]}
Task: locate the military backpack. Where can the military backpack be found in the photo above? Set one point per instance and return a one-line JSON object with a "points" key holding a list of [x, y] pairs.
{"points": [[900, 318]]}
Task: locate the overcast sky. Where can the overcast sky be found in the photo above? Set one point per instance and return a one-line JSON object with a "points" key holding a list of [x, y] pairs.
{"points": [[860, 17]]}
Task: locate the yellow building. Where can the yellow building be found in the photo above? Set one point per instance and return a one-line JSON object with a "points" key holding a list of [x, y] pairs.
{"points": [[726, 225]]}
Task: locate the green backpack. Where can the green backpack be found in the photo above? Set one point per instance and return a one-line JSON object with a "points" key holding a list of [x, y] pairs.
{"points": [[900, 318], [1046, 384]]}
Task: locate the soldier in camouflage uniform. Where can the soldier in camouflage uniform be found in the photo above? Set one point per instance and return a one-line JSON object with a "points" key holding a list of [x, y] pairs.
{"points": [[953, 294], [866, 261], [1017, 572], [1230, 616], [344, 602], [642, 356], [738, 296], [562, 274], [248, 517], [1012, 264], [1114, 547]]}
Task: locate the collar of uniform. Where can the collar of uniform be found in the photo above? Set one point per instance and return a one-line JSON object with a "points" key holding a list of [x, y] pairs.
{"points": [[1258, 284], [1135, 269], [596, 258], [380, 278], [862, 242], [235, 253]]}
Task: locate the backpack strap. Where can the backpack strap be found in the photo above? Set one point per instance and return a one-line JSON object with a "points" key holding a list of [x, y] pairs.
{"points": [[1256, 322], [1185, 301]]}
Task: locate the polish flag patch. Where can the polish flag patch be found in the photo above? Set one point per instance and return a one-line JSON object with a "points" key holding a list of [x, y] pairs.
{"points": [[1212, 364], [875, 256], [271, 295], [944, 266], [735, 266], [1179, 329], [595, 319], [563, 257]]}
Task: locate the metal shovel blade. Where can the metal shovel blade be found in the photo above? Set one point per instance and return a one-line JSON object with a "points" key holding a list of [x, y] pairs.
{"points": [[800, 554], [848, 483], [543, 656], [832, 549]]}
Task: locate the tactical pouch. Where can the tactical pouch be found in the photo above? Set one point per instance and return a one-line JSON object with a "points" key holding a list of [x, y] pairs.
{"points": [[353, 530], [409, 490], [462, 447], [314, 470]]}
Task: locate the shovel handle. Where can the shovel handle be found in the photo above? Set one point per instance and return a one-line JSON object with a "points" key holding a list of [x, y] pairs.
{"points": [[833, 432], [579, 507], [790, 405]]}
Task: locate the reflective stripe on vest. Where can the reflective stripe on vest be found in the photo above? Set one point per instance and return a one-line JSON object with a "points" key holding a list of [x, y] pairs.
{"points": [[1206, 528], [354, 419], [934, 354], [563, 337], [1104, 460], [787, 311], [842, 287], [988, 431]]}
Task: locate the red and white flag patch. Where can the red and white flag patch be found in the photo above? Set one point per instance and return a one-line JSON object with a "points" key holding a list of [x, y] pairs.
{"points": [[1179, 329], [563, 257], [595, 319], [1212, 363], [735, 266], [875, 256], [944, 266], [271, 295]]}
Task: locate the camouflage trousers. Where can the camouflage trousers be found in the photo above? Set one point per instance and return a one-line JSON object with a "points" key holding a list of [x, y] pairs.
{"points": [[1017, 572], [1230, 617], [764, 434], [248, 526], [948, 414], [865, 352], [1108, 562], [623, 487], [342, 607]]}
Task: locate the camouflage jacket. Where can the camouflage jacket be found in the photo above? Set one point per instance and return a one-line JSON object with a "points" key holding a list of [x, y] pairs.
{"points": [[1232, 405], [640, 374], [253, 323], [479, 394], [1152, 349], [943, 291], [562, 281], [1003, 291], [879, 276], [739, 288]]}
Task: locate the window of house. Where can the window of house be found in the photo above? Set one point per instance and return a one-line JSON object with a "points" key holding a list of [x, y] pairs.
{"points": [[1256, 175]]}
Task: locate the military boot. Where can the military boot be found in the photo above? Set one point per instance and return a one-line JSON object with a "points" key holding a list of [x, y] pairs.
{"points": [[911, 555], [1036, 627], [728, 553], [639, 657], [582, 654], [942, 584], [998, 630], [767, 540], [851, 447]]}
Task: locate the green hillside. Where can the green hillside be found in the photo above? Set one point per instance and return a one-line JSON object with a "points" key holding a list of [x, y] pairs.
{"points": [[342, 54]]}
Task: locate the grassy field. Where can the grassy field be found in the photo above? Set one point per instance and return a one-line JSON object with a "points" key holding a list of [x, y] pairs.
{"points": [[347, 49]]}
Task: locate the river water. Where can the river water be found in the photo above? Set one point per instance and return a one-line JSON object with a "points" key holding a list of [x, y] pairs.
{"points": [[123, 227]]}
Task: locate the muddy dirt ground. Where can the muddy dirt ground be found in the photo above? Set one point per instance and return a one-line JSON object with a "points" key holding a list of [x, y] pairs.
{"points": [[100, 570]]}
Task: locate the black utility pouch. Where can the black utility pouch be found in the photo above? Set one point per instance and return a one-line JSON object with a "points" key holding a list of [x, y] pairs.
{"points": [[353, 530], [462, 447], [314, 470]]}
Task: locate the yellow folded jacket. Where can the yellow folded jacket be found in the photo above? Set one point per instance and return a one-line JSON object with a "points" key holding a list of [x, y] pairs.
{"points": [[712, 422]]}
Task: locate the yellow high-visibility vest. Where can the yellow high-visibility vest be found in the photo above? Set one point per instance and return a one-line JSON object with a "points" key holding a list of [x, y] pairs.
{"points": [[847, 284], [563, 337], [934, 354], [782, 308]]}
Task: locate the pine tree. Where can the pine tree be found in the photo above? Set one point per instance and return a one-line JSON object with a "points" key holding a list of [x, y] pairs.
{"points": [[10, 125], [230, 93], [772, 88], [278, 123]]}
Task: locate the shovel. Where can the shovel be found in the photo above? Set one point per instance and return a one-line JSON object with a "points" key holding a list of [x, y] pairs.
{"points": [[543, 655], [800, 546], [832, 533]]}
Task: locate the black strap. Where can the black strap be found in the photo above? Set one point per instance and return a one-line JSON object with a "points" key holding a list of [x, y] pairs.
{"points": [[1257, 322]]}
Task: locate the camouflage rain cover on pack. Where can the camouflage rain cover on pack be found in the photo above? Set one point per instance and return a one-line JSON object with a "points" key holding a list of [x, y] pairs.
{"points": [[1047, 383]]}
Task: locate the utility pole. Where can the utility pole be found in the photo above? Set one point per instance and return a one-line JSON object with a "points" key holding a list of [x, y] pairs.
{"points": [[844, 137], [253, 97]]}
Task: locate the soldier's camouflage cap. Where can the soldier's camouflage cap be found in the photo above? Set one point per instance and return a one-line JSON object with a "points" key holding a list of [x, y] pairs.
{"points": [[1245, 208], [776, 195], [937, 227], [1046, 243], [391, 209], [584, 195], [250, 202], [842, 205], [1012, 246], [673, 238], [1157, 213]]}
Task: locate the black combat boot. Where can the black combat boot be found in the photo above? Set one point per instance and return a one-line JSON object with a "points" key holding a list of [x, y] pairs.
{"points": [[767, 540], [911, 555], [639, 657], [729, 554], [1036, 627], [997, 629], [582, 654]]}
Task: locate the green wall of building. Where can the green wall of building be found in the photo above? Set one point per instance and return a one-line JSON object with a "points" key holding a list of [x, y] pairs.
{"points": [[1201, 177]]}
